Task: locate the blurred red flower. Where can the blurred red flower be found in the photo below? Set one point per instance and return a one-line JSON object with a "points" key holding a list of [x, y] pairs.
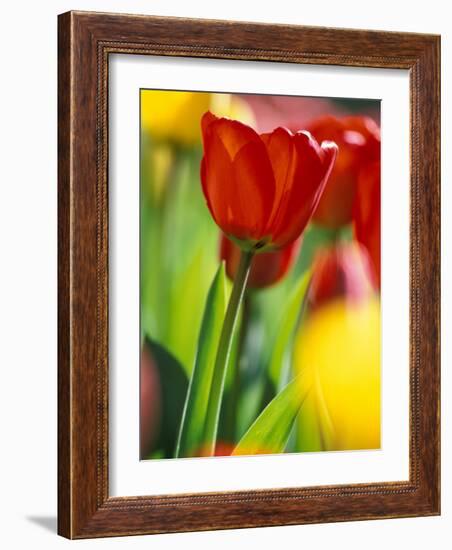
{"points": [[358, 139], [222, 448], [150, 406], [342, 271], [289, 111], [367, 214], [262, 189], [267, 268]]}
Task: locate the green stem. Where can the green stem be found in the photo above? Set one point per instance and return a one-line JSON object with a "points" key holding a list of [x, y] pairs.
{"points": [[224, 348], [237, 375]]}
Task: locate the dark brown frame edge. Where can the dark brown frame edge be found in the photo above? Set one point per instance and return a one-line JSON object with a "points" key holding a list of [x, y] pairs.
{"points": [[85, 41]]}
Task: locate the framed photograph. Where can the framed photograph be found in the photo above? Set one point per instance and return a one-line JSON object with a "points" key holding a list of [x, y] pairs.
{"points": [[248, 274]]}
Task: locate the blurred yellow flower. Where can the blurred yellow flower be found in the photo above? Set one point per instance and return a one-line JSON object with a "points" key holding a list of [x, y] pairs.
{"points": [[338, 351], [176, 116]]}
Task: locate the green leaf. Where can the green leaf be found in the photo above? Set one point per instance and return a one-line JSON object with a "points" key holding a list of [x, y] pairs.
{"points": [[224, 351], [255, 395], [186, 302], [291, 314], [271, 430], [179, 252], [173, 388], [194, 416], [309, 436]]}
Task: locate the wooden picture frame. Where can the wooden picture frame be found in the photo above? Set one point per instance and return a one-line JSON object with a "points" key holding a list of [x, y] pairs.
{"points": [[85, 42]]}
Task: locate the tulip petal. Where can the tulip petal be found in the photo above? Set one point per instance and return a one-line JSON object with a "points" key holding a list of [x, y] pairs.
{"points": [[206, 121], [204, 186], [329, 150], [239, 194], [282, 153], [216, 176], [237, 177], [233, 134], [253, 191], [314, 164]]}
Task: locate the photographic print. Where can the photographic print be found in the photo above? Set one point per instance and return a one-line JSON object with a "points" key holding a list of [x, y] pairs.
{"points": [[235, 347], [259, 274]]}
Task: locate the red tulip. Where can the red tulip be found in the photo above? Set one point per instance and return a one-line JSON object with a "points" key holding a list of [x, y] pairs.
{"points": [[367, 214], [262, 189], [358, 138], [150, 406], [267, 268], [342, 271]]}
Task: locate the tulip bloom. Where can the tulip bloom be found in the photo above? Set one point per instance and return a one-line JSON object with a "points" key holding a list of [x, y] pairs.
{"points": [[358, 138], [262, 189], [367, 214], [161, 113], [267, 268], [342, 271], [337, 354]]}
